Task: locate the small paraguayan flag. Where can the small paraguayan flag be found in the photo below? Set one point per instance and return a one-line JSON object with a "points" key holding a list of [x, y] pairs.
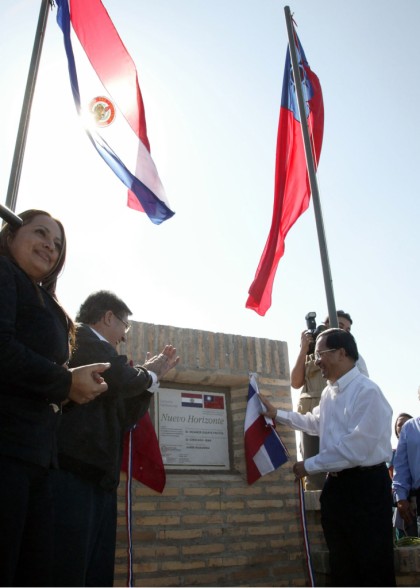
{"points": [[264, 450], [191, 399]]}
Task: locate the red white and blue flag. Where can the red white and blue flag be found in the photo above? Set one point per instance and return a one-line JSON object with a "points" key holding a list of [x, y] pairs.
{"points": [[107, 95], [264, 450], [191, 399], [292, 188]]}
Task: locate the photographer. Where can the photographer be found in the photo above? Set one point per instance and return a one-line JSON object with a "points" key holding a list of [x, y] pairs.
{"points": [[307, 375]]}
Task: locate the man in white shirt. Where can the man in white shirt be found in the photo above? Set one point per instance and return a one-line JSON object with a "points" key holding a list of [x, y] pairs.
{"points": [[353, 421], [306, 375]]}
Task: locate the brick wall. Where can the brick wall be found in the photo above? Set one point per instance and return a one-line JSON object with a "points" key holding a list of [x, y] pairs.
{"points": [[212, 529]]}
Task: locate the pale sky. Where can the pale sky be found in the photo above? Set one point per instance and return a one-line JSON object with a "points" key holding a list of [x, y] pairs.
{"points": [[211, 76]]}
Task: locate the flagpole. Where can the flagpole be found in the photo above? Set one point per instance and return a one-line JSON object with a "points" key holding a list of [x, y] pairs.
{"points": [[16, 169], [332, 313]]}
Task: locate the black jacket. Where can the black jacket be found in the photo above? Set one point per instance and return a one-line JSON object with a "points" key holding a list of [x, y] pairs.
{"points": [[33, 348], [90, 438]]}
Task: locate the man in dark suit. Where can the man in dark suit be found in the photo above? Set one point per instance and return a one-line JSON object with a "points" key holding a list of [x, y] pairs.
{"points": [[90, 443]]}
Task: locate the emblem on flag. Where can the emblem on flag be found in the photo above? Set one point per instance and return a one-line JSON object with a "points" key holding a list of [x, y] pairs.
{"points": [[102, 110]]}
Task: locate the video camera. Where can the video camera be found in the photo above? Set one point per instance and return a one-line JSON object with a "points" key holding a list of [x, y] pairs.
{"points": [[313, 329]]}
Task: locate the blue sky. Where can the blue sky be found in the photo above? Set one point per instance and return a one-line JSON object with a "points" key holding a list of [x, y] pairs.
{"points": [[211, 76]]}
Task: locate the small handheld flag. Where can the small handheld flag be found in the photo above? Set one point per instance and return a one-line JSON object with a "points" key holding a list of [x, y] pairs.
{"points": [[142, 456], [110, 102], [264, 450], [292, 187]]}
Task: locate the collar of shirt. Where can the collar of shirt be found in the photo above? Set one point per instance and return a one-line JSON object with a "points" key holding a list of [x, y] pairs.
{"points": [[340, 384], [101, 337]]}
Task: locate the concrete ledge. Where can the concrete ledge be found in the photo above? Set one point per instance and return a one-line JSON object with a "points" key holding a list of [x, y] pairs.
{"points": [[406, 560]]}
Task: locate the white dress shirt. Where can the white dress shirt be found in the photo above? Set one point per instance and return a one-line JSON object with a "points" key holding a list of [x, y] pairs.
{"points": [[361, 364], [353, 421]]}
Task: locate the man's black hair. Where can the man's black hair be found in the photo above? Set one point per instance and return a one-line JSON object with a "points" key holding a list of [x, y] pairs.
{"points": [[340, 339], [341, 314], [402, 414], [97, 304]]}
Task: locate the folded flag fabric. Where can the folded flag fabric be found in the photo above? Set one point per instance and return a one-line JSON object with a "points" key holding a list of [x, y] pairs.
{"points": [[292, 188], [141, 447], [264, 450], [107, 95]]}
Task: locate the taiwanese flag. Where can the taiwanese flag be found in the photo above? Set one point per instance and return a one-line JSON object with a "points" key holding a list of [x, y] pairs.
{"points": [[107, 95], [292, 188], [142, 457], [264, 450], [216, 401]]}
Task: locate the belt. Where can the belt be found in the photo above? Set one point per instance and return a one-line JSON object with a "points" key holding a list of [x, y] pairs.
{"points": [[357, 469]]}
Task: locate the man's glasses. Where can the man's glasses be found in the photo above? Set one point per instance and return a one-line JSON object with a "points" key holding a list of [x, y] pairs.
{"points": [[318, 354], [127, 325]]}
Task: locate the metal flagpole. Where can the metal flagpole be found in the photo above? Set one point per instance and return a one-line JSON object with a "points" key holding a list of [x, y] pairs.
{"points": [[26, 107], [332, 313], [10, 217]]}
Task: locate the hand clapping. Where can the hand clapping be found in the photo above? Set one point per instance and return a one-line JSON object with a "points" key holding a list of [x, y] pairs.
{"points": [[87, 383], [162, 363]]}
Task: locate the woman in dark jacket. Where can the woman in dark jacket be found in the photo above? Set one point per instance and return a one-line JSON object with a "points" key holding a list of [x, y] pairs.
{"points": [[34, 382]]}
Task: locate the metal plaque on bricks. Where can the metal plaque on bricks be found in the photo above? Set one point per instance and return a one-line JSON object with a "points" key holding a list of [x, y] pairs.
{"points": [[192, 429]]}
